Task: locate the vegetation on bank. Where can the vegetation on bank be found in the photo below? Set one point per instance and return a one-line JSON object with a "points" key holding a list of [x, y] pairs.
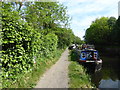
{"points": [[77, 74], [104, 34], [30, 79], [33, 33], [104, 31]]}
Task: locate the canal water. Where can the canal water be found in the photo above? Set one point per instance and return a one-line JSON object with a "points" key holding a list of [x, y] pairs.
{"points": [[109, 75]]}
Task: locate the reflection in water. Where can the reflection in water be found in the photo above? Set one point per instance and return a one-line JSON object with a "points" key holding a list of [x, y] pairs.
{"points": [[108, 83], [109, 75]]}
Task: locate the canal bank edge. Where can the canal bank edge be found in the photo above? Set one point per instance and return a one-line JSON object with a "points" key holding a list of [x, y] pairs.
{"points": [[78, 78]]}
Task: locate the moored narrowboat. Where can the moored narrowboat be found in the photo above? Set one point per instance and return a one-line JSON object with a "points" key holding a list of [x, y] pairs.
{"points": [[89, 55]]}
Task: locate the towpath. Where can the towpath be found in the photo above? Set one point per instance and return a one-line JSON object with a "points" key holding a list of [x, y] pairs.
{"points": [[57, 75]]}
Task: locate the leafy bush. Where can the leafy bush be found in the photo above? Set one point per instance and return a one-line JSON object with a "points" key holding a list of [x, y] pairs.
{"points": [[22, 46], [18, 42], [49, 44]]}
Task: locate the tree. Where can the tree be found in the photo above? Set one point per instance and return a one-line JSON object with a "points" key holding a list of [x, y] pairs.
{"points": [[49, 17], [111, 22], [77, 40], [46, 15], [116, 32], [65, 36], [98, 32]]}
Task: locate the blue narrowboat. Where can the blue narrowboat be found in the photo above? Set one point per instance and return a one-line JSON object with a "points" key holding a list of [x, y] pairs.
{"points": [[89, 55]]}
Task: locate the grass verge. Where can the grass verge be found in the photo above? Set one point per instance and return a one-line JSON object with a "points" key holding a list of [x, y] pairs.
{"points": [[29, 80], [77, 74]]}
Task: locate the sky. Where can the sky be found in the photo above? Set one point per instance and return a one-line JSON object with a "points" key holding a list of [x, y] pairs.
{"points": [[83, 12]]}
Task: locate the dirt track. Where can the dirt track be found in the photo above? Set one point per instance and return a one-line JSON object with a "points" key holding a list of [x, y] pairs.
{"points": [[57, 75]]}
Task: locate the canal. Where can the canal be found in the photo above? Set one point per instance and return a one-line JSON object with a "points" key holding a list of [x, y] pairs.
{"points": [[109, 75]]}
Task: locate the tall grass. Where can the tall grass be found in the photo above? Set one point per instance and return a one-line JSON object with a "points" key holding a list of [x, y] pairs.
{"points": [[77, 74]]}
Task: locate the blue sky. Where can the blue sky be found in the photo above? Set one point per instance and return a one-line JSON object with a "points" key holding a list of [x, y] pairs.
{"points": [[83, 12]]}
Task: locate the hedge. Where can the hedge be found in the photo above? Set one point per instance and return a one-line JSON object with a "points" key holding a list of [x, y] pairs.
{"points": [[22, 47]]}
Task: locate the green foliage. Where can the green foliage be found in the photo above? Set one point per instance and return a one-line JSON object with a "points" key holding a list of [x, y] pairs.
{"points": [[31, 36], [65, 36], [111, 22], [22, 46], [77, 40], [19, 45], [49, 17], [49, 45], [116, 32], [46, 14], [100, 31], [104, 31], [77, 74], [29, 80]]}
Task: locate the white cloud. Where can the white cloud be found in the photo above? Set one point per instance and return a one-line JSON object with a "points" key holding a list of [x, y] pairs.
{"points": [[82, 22], [79, 26], [83, 12]]}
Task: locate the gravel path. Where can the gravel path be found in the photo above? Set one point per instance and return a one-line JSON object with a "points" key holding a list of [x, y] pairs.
{"points": [[57, 75]]}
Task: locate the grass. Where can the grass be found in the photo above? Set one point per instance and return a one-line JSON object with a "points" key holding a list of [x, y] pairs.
{"points": [[77, 74], [30, 79]]}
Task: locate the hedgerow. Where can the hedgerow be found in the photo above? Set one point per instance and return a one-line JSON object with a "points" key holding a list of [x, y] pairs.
{"points": [[22, 46]]}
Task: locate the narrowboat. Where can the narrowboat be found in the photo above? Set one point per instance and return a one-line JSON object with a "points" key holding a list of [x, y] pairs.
{"points": [[89, 56]]}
